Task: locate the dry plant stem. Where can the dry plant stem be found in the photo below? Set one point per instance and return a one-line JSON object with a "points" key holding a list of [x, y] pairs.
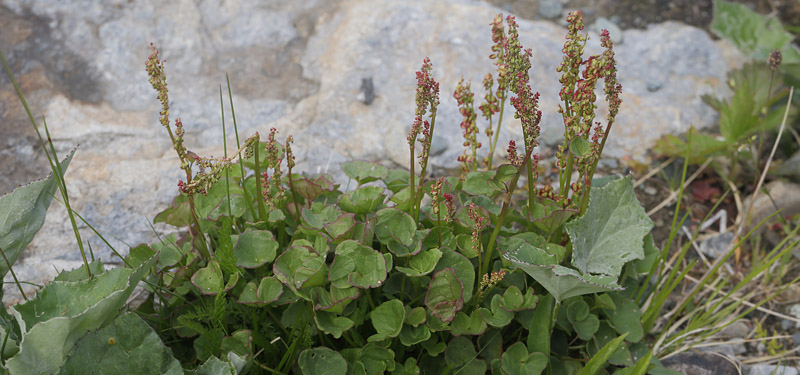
{"points": [[747, 218], [14, 275], [55, 166]]}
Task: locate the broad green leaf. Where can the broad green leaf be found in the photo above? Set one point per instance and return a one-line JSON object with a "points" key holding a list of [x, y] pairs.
{"points": [[517, 361], [377, 359], [269, 290], [341, 228], [598, 361], [393, 224], [467, 247], [408, 368], [611, 232], [209, 279], [464, 324], [626, 318], [364, 172], [497, 316], [461, 355], [357, 265], [334, 300], [422, 263], [753, 33], [513, 299], [411, 335], [300, 267], [504, 175], [255, 248], [79, 273], [239, 343], [587, 327], [445, 295], [563, 282], [215, 366], [249, 295], [396, 180], [401, 250], [207, 205], [63, 312], [415, 316], [479, 183], [331, 323], [178, 214], [463, 268], [126, 346], [580, 147], [363, 200], [22, 214], [139, 254], [311, 188], [703, 147], [319, 215], [322, 361], [387, 319]]}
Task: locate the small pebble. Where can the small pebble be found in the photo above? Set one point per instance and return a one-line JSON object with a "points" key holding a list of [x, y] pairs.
{"points": [[649, 190]]}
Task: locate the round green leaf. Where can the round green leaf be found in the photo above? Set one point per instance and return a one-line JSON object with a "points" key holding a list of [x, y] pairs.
{"points": [[463, 268], [358, 265], [322, 361], [517, 361], [331, 323], [363, 200], [422, 263], [364, 172], [255, 248], [393, 224], [269, 290], [209, 279], [445, 295], [387, 320], [299, 267]]}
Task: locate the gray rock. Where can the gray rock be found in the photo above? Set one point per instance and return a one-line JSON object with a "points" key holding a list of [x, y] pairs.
{"points": [[782, 195], [550, 9], [614, 31], [694, 363], [789, 167], [770, 370], [295, 66]]}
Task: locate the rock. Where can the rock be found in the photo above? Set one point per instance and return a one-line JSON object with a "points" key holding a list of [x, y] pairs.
{"points": [[614, 31], [782, 195], [694, 363], [789, 167], [296, 66], [608, 163], [550, 9], [770, 370]]}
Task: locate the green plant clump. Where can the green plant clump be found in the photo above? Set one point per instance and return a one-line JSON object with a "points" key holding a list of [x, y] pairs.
{"points": [[280, 272]]}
